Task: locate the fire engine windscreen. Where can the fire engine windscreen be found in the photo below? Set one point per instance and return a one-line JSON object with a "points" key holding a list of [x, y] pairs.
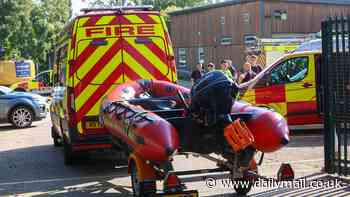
{"points": [[212, 98]]}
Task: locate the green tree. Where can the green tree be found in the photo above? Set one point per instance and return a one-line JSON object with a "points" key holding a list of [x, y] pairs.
{"points": [[29, 28]]}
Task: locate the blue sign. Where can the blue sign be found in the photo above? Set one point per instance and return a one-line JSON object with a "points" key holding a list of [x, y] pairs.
{"points": [[22, 69]]}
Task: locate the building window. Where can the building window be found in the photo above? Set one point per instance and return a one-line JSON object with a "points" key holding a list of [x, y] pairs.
{"points": [[182, 59], [246, 17], [226, 40], [201, 55], [222, 20], [280, 15]]}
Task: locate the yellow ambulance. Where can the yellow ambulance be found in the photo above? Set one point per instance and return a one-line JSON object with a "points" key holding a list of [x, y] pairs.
{"points": [[288, 86], [97, 51]]}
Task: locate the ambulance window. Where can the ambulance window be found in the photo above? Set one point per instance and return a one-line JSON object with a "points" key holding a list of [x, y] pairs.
{"points": [[289, 71]]}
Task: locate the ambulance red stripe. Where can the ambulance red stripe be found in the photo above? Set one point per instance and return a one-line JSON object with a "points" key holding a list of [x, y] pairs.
{"points": [[143, 61], [101, 90], [105, 59]]}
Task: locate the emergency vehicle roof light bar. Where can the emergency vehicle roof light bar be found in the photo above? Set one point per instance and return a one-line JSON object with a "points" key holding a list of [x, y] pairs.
{"points": [[143, 8]]}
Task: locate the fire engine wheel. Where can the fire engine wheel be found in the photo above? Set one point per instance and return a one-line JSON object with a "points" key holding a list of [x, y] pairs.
{"points": [[56, 138], [137, 186], [21, 117], [68, 153]]}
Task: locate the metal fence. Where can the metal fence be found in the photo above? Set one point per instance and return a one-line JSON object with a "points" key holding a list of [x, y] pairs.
{"points": [[333, 93]]}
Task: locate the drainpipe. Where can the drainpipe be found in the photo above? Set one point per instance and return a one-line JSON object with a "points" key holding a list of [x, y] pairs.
{"points": [[262, 18]]}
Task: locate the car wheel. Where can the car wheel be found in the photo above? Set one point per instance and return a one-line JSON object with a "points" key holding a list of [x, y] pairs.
{"points": [[56, 138], [21, 117]]}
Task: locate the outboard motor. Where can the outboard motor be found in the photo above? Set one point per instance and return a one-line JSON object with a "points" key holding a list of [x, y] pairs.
{"points": [[212, 98]]}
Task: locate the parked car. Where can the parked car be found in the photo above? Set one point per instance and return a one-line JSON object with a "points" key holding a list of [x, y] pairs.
{"points": [[21, 108]]}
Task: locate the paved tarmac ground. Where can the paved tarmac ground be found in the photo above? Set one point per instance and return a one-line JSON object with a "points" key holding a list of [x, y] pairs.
{"points": [[31, 166]]}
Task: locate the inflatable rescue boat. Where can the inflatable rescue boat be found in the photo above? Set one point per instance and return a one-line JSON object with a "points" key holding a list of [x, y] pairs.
{"points": [[157, 119]]}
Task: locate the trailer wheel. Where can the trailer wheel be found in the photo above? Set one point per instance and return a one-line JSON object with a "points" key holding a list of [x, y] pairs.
{"points": [[138, 187], [56, 138], [242, 186]]}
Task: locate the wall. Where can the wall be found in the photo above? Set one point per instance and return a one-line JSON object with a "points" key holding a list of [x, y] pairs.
{"points": [[302, 17], [185, 32]]}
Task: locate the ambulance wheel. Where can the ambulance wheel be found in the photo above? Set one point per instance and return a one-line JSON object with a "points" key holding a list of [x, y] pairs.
{"points": [[138, 187], [68, 154], [56, 138]]}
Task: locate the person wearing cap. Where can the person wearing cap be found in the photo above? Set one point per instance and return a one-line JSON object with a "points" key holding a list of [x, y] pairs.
{"points": [[211, 67]]}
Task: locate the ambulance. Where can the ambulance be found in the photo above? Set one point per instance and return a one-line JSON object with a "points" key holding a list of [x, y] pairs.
{"points": [[97, 51], [288, 86]]}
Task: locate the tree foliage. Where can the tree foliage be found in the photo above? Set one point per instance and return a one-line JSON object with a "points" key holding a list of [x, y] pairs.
{"points": [[29, 28]]}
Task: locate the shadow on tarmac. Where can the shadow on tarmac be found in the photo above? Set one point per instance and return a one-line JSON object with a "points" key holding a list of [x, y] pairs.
{"points": [[39, 171], [9, 127]]}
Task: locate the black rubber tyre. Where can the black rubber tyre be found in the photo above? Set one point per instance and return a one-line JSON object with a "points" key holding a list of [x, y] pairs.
{"points": [[242, 186], [137, 185], [21, 117], [55, 137], [68, 154]]}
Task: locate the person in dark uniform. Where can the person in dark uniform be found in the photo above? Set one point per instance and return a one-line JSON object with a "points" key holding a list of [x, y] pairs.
{"points": [[197, 73]]}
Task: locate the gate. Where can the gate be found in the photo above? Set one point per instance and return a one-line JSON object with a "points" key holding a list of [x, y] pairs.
{"points": [[334, 93]]}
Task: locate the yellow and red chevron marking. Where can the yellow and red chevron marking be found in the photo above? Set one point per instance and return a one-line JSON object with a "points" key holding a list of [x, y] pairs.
{"points": [[104, 67], [131, 18]]}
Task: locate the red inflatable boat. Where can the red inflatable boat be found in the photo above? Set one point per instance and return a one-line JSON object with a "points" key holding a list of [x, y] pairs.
{"points": [[154, 120], [148, 118]]}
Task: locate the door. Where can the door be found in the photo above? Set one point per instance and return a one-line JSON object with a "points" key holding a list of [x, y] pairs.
{"points": [[99, 69], [292, 90]]}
